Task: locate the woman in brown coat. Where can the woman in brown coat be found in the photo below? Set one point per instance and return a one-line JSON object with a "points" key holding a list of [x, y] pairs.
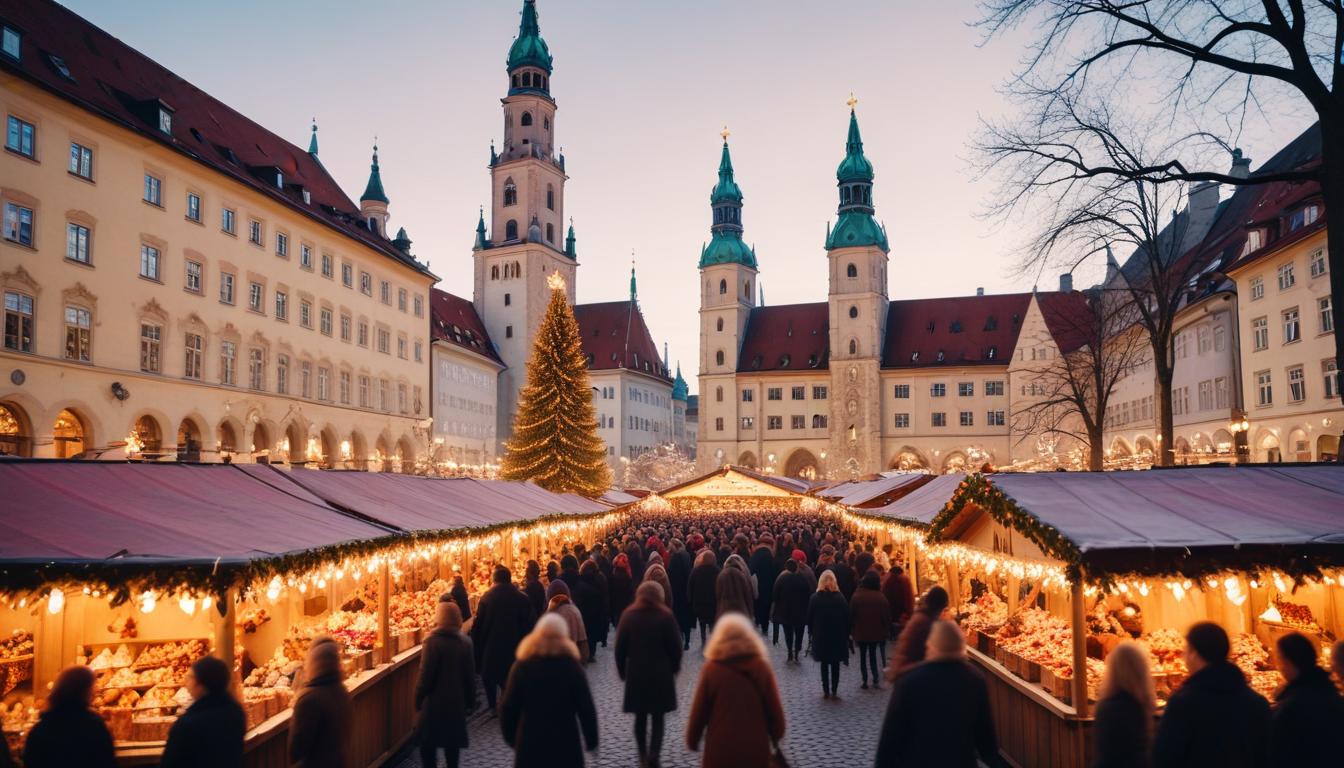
{"points": [[870, 625], [319, 729], [648, 657], [736, 709], [446, 690]]}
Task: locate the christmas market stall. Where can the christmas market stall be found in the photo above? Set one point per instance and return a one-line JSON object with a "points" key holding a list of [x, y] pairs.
{"points": [[138, 569], [1049, 571], [900, 514]]}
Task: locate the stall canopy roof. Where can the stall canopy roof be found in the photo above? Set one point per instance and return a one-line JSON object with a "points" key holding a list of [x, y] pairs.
{"points": [[617, 498], [113, 512], [857, 492], [411, 503], [922, 504], [1181, 512]]}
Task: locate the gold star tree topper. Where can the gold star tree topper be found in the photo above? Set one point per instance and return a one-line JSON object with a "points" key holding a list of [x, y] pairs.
{"points": [[555, 282]]}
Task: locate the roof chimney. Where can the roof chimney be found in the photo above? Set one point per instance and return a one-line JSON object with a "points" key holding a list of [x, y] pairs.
{"points": [[979, 291], [1066, 282], [1241, 165]]}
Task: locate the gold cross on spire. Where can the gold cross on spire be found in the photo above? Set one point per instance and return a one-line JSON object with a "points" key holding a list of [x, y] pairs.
{"points": [[852, 101], [725, 133]]}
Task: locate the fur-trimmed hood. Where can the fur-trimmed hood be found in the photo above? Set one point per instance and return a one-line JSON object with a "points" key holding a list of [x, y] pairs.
{"points": [[736, 561], [733, 638], [549, 638]]}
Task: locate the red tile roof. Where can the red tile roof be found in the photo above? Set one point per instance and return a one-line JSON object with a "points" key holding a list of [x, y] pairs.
{"points": [[615, 337], [788, 337], [453, 319], [1069, 318], [961, 330], [118, 83]]}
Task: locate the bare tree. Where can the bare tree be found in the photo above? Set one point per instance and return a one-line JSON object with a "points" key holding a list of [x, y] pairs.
{"points": [[1092, 214], [1200, 63], [1071, 392]]}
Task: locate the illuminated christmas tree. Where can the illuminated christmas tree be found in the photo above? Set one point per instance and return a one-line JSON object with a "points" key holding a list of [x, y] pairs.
{"points": [[555, 440]]}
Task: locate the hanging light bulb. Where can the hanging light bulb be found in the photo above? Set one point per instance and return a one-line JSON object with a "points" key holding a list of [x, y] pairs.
{"points": [[273, 589], [188, 605], [206, 602], [147, 602], [56, 600]]}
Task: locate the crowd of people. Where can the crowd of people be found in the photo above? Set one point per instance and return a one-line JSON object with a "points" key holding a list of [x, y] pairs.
{"points": [[742, 581]]}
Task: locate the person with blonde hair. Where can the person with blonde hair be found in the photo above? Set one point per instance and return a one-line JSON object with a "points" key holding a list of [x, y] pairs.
{"points": [[736, 708], [546, 711], [1124, 725], [828, 625], [445, 692]]}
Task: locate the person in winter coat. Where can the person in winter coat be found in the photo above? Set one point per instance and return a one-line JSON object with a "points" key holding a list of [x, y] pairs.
{"points": [[789, 607], [736, 709], [828, 622], [845, 577], [762, 566], [913, 640], [561, 604], [679, 573], [1124, 719], [658, 574], [503, 617], [68, 733], [703, 592], [734, 591], [533, 588], [569, 572], [323, 716], [547, 712], [445, 692], [210, 733], [648, 657], [939, 711], [620, 587], [870, 626], [900, 596], [1309, 716], [864, 562], [460, 596], [591, 600], [1214, 718], [635, 554], [800, 557]]}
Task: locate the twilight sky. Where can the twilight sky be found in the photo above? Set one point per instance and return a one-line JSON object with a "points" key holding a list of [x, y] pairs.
{"points": [[643, 90]]}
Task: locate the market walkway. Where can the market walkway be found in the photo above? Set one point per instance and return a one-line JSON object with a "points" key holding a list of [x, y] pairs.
{"points": [[819, 732]]}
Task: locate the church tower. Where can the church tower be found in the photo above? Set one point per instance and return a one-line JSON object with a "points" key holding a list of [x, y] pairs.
{"points": [[524, 245], [727, 296], [856, 249], [373, 203]]}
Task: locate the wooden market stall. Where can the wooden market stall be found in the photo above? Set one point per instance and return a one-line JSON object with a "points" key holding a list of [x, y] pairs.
{"points": [[903, 519], [138, 569], [1049, 571]]}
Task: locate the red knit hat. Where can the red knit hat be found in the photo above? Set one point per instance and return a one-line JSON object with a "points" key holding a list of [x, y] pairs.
{"points": [[800, 555]]}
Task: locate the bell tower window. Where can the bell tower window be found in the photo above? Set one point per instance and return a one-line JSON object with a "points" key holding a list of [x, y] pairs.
{"points": [[853, 347], [718, 324], [515, 81], [746, 290], [550, 233], [853, 312], [851, 271], [723, 287], [550, 196], [718, 357], [511, 230], [527, 116], [510, 192]]}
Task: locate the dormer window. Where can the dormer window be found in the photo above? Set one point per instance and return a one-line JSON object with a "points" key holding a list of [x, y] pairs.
{"points": [[373, 225], [992, 353], [58, 64], [914, 357], [307, 197], [10, 42], [165, 120], [279, 180], [991, 323], [1304, 217], [941, 356], [784, 361], [1254, 239]]}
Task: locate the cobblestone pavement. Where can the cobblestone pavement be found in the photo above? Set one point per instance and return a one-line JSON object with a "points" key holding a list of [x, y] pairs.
{"points": [[818, 732]]}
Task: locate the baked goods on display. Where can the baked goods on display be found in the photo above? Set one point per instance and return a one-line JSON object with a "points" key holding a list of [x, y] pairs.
{"points": [[16, 660], [252, 618], [357, 631], [179, 653], [1295, 616], [987, 613]]}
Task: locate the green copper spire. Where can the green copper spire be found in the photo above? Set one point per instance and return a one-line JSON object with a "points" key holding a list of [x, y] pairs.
{"points": [[570, 249], [312, 143], [402, 242], [374, 190], [856, 225], [528, 49], [634, 294], [481, 242], [725, 245], [679, 389]]}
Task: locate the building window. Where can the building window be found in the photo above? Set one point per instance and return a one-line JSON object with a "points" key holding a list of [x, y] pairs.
{"points": [[81, 161], [419, 351], [419, 304], [774, 422], [323, 384], [966, 389], [797, 422], [19, 224], [77, 243], [384, 402], [1220, 400], [281, 306], [1292, 327], [967, 419], [366, 283], [901, 391], [818, 421], [149, 262], [347, 272], [151, 341], [718, 357], [385, 292], [9, 42], [1318, 263], [902, 421], [20, 137], [385, 341], [282, 245], [401, 299], [939, 419], [345, 327], [255, 296], [1219, 338], [254, 232], [994, 388], [305, 379], [165, 120], [550, 196], [1326, 311], [78, 334], [18, 321], [510, 230], [938, 390], [748, 422], [1286, 278], [1257, 288], [228, 363], [851, 271], [401, 398], [774, 393], [363, 391], [305, 313], [718, 424], [324, 321], [282, 374], [510, 192], [1260, 333], [1264, 388], [345, 387], [1181, 348], [748, 395], [194, 348], [227, 221], [194, 207], [819, 393], [401, 347], [1297, 384], [1205, 397], [1304, 217], [1203, 340], [363, 334], [153, 190], [256, 368], [994, 418], [1330, 376]]}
